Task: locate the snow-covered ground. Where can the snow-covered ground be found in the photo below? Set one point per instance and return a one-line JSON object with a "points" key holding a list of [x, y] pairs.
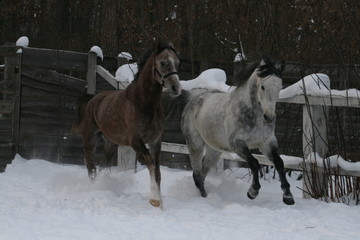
{"points": [[44, 200]]}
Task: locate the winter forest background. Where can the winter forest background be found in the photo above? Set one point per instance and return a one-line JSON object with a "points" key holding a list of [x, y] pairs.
{"points": [[308, 31]]}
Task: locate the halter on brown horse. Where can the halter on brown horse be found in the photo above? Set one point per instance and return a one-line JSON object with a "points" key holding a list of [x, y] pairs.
{"points": [[134, 117]]}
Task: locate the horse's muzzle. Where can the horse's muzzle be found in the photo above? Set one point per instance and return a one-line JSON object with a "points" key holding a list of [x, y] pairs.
{"points": [[173, 84], [269, 118], [176, 90]]}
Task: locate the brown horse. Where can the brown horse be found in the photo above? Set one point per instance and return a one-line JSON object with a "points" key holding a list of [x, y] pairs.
{"points": [[134, 117]]}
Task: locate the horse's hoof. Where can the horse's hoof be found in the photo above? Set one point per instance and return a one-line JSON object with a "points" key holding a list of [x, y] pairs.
{"points": [[203, 194], [155, 203], [252, 193], [288, 199], [92, 174]]}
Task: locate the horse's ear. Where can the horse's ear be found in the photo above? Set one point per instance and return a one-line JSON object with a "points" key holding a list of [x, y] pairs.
{"points": [[163, 45], [171, 45]]}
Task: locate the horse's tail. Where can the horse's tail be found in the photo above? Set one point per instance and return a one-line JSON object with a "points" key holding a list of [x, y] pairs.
{"points": [[174, 106], [81, 104]]}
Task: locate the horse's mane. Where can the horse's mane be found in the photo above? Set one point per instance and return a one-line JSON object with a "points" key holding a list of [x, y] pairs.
{"points": [[246, 67], [269, 68], [146, 55]]}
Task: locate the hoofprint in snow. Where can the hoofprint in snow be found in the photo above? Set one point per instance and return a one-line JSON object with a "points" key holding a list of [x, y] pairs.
{"points": [[44, 200]]}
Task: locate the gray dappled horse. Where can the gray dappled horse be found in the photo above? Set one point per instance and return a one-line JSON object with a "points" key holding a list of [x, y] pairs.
{"points": [[236, 121]]}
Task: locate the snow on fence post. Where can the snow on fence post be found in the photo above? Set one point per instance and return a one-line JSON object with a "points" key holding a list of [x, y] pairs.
{"points": [[314, 140], [91, 73]]}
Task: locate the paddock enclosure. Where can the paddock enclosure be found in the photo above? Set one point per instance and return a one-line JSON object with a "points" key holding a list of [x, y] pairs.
{"points": [[39, 89]]}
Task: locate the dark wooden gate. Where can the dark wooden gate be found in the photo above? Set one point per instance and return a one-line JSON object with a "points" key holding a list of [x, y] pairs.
{"points": [[9, 103]]}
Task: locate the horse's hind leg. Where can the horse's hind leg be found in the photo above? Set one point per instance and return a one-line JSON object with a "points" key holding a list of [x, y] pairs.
{"points": [[110, 150], [210, 159], [89, 145], [271, 151], [240, 147], [196, 154]]}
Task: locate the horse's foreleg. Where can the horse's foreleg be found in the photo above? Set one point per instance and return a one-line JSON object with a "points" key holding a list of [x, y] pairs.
{"points": [[271, 151], [155, 196], [240, 147], [155, 185]]}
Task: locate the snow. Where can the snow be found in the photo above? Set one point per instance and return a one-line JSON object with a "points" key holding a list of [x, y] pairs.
{"points": [[334, 161], [125, 55], [317, 84], [98, 51], [44, 200], [126, 72], [213, 78], [239, 57], [22, 42], [315, 158]]}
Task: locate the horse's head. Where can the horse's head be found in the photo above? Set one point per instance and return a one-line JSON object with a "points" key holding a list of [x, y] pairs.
{"points": [[166, 68], [269, 84]]}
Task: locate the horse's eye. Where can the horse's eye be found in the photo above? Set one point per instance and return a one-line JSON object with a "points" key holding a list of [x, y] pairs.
{"points": [[263, 88], [162, 63]]}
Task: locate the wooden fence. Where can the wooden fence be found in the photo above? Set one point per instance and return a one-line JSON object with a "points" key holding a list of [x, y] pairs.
{"points": [[39, 89]]}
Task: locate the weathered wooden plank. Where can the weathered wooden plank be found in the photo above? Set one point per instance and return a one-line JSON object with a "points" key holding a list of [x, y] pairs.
{"points": [[91, 73], [8, 51], [7, 87], [107, 76], [333, 101], [55, 59], [55, 78], [17, 102], [63, 116], [5, 123], [175, 160], [6, 106], [173, 137], [6, 136], [37, 88]]}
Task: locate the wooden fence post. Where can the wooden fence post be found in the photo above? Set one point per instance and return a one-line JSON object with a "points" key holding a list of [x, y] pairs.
{"points": [[17, 101], [12, 75], [91, 73], [126, 158], [314, 140]]}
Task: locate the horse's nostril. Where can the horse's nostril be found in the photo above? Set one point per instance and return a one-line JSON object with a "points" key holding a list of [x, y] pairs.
{"points": [[173, 88], [266, 118]]}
